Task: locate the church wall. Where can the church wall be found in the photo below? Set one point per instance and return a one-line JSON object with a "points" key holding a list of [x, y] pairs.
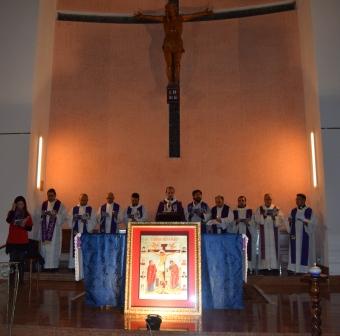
{"points": [[26, 38], [17, 40], [326, 28], [242, 112], [312, 112], [41, 99]]}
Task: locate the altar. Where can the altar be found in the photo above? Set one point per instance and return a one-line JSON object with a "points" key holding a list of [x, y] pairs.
{"points": [[104, 260]]}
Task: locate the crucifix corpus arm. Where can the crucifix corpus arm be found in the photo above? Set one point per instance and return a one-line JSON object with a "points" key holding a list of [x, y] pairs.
{"points": [[154, 18], [193, 16]]}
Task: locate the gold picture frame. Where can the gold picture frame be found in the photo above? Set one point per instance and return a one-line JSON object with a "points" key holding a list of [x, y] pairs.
{"points": [[163, 269]]}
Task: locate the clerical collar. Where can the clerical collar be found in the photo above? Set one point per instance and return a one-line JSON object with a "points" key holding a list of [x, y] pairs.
{"points": [[170, 201]]}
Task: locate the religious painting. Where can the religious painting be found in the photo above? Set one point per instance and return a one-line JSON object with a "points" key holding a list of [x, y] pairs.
{"points": [[163, 268]]}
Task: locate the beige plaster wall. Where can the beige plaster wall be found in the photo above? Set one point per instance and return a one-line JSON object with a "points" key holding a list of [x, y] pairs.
{"points": [[242, 110]]}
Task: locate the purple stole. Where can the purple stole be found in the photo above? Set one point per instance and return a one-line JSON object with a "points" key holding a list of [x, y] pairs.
{"points": [[249, 214], [175, 207], [204, 207], [139, 209], [114, 218], [224, 213], [75, 212], [47, 229], [305, 238], [262, 241]]}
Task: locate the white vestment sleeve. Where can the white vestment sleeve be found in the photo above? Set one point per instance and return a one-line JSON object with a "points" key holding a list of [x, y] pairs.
{"points": [[62, 214], [125, 216], [120, 216], [207, 215], [145, 214], [98, 215], [280, 221], [70, 220], [91, 222], [252, 226], [186, 213], [310, 227], [286, 224], [258, 218], [226, 222]]}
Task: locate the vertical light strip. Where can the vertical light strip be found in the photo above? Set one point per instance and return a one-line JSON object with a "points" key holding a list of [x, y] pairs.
{"points": [[40, 148], [312, 146]]}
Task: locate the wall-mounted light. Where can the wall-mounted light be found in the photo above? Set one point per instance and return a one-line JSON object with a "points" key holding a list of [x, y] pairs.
{"points": [[312, 146], [39, 162]]}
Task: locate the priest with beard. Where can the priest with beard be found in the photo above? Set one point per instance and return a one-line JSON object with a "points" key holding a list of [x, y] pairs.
{"points": [[197, 210], [135, 212], [170, 209], [50, 217]]}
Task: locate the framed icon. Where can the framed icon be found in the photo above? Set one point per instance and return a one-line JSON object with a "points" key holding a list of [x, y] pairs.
{"points": [[163, 273]]}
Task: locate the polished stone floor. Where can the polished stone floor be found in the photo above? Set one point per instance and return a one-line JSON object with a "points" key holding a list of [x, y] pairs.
{"points": [[284, 308]]}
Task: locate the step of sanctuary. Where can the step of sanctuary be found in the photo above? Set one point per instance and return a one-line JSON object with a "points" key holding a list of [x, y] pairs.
{"points": [[290, 284], [19, 330], [26, 330], [62, 274]]}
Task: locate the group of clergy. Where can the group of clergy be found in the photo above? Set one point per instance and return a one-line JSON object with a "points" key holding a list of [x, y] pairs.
{"points": [[262, 227]]}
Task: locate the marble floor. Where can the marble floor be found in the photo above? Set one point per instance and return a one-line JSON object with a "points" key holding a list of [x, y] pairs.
{"points": [[284, 308]]}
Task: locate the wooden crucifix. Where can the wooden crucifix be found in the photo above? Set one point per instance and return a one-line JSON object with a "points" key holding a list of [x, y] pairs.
{"points": [[173, 50], [173, 44]]}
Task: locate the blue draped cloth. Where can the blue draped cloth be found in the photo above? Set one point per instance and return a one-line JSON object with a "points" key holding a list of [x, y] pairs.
{"points": [[222, 277], [104, 270]]}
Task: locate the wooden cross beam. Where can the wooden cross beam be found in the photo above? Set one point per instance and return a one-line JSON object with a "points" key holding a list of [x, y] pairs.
{"points": [[223, 14]]}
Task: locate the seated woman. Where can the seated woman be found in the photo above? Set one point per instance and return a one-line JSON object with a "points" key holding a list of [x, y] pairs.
{"points": [[20, 222]]}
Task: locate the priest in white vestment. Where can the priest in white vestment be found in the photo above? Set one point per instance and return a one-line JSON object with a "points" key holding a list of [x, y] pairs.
{"points": [[135, 212], [82, 219], [269, 220], [302, 224], [221, 217], [49, 219], [244, 224], [197, 210], [109, 215]]}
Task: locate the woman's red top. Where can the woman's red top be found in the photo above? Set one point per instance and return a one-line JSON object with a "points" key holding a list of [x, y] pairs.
{"points": [[18, 234]]}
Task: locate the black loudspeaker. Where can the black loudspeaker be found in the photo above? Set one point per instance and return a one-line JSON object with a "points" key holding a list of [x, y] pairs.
{"points": [[153, 322]]}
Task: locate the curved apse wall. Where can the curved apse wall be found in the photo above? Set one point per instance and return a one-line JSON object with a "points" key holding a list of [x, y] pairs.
{"points": [[242, 112]]}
